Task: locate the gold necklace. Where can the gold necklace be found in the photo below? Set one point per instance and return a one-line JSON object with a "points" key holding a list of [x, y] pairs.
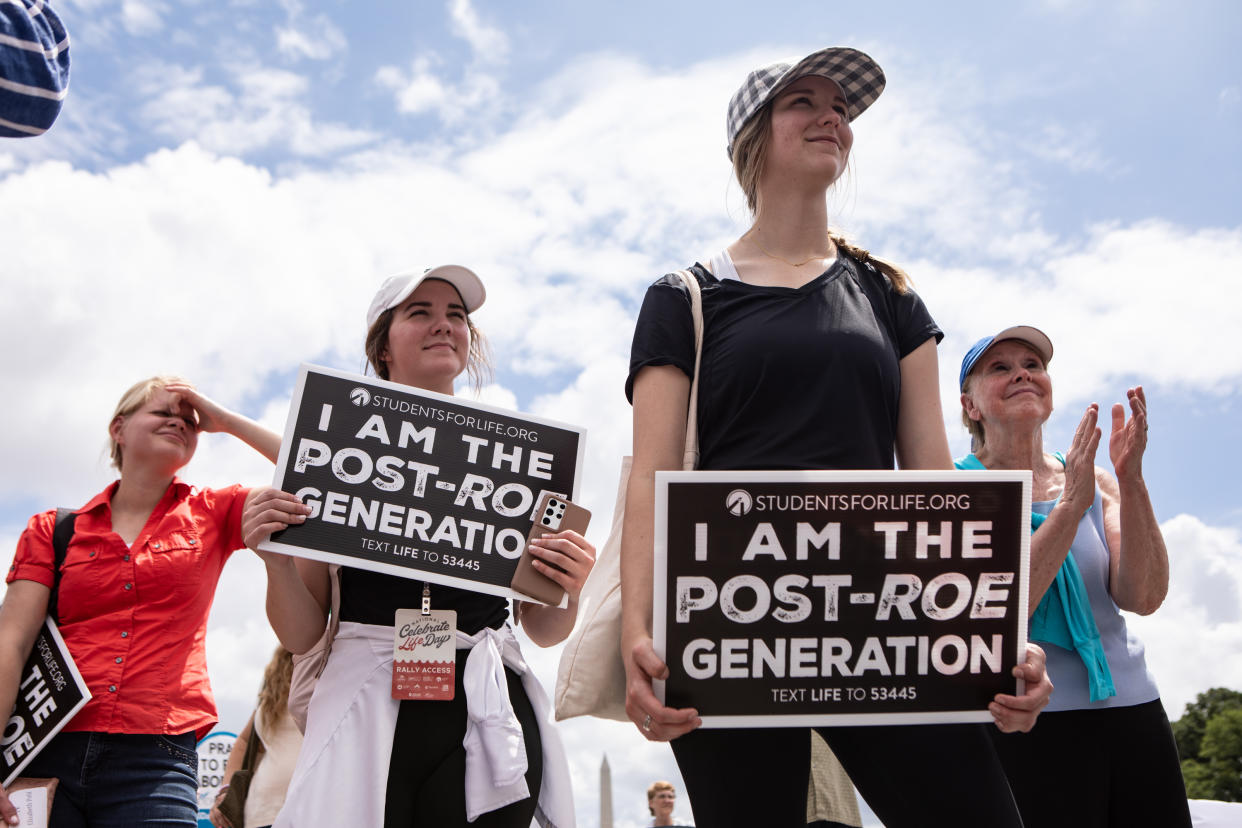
{"points": [[750, 233]]}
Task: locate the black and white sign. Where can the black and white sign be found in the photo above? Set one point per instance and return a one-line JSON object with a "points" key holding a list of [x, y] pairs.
{"points": [[50, 693], [415, 483], [816, 597]]}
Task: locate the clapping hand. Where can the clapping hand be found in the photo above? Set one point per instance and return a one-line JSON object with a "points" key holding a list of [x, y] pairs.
{"points": [[1128, 440]]}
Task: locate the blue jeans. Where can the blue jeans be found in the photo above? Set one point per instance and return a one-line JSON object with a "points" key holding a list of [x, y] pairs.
{"points": [[116, 780]]}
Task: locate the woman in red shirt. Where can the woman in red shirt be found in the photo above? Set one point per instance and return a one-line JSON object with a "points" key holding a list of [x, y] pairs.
{"points": [[134, 592]]}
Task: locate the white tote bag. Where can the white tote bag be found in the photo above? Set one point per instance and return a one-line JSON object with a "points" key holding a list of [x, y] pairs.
{"points": [[591, 678]]}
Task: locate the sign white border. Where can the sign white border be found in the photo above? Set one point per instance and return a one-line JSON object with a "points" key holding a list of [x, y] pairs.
{"points": [[282, 461], [659, 627]]}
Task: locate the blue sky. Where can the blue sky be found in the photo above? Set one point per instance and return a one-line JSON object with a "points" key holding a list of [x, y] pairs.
{"points": [[229, 182]]}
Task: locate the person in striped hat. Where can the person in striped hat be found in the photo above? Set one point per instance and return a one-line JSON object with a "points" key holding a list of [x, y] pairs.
{"points": [[34, 67]]}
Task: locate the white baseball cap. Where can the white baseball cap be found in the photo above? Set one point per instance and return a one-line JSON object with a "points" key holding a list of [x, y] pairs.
{"points": [[396, 289]]}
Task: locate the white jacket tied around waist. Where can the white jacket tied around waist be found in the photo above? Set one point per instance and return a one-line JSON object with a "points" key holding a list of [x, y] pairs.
{"points": [[342, 771]]}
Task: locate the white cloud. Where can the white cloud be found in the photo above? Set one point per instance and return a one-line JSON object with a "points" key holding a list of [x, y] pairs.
{"points": [[259, 108], [489, 44], [143, 17], [423, 88], [1194, 641], [1098, 300], [316, 39], [1076, 150], [1229, 98]]}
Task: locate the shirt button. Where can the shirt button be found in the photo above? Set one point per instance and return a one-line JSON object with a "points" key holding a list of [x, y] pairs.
{"points": [[124, 635], [127, 557], [111, 688], [193, 541], [156, 544], [92, 554], [129, 586], [119, 659]]}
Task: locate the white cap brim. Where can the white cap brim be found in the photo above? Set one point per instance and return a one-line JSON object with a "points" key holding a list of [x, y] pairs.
{"points": [[396, 289]]}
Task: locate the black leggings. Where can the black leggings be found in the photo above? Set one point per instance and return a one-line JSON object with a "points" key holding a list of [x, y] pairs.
{"points": [[1111, 767], [427, 771], [912, 776]]}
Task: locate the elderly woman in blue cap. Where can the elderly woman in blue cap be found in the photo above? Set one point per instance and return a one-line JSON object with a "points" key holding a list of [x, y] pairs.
{"points": [[1103, 752], [815, 355]]}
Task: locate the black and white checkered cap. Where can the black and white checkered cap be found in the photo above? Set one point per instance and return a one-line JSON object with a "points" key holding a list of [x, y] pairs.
{"points": [[860, 78]]}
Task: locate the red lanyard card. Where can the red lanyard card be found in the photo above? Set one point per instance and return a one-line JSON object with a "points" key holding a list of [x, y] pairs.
{"points": [[424, 655]]}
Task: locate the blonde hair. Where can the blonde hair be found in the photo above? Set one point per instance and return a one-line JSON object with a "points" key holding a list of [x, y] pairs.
{"points": [[975, 427], [478, 359], [138, 395], [274, 692], [654, 789], [750, 148]]}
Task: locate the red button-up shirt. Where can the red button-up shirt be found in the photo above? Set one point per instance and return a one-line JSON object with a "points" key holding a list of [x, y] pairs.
{"points": [[135, 617]]}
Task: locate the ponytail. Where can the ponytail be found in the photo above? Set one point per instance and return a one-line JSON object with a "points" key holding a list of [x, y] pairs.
{"points": [[897, 276]]}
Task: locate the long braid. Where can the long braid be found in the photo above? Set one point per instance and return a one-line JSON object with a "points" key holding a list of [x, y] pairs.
{"points": [[899, 278]]}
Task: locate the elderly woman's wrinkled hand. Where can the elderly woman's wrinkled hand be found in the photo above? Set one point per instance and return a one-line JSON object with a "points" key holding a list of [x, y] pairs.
{"points": [[1079, 491], [1018, 713], [1128, 440]]}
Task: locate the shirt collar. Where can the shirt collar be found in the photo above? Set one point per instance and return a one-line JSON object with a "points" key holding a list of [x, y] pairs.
{"points": [[177, 490]]}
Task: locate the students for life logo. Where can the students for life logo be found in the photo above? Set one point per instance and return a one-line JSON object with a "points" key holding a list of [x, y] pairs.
{"points": [[360, 397], [739, 502]]}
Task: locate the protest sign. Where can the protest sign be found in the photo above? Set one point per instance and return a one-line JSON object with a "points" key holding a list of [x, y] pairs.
{"points": [[834, 598], [417, 484], [213, 755], [51, 691]]}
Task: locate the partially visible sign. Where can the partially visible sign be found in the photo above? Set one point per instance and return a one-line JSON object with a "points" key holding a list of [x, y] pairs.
{"points": [[814, 598], [51, 691], [213, 755], [417, 484]]}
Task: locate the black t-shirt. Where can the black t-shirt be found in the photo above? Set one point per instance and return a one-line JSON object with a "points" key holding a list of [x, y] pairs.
{"points": [[790, 378], [373, 598]]}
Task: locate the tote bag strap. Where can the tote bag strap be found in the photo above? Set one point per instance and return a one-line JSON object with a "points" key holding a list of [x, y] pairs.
{"points": [[691, 458]]}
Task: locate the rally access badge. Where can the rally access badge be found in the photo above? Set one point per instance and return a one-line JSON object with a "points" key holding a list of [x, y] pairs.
{"points": [[424, 661]]}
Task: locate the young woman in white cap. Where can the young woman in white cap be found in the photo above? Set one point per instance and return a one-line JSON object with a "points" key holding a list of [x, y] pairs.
{"points": [[368, 759], [1103, 752], [816, 355]]}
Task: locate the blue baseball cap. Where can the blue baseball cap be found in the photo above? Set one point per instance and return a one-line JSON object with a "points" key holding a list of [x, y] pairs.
{"points": [[1034, 337]]}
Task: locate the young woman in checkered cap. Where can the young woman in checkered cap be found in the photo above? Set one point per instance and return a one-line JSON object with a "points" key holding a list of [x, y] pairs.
{"points": [[816, 355]]}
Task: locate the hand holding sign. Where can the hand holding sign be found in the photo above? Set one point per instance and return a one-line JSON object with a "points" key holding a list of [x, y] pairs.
{"points": [[269, 510], [1017, 713], [657, 722]]}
